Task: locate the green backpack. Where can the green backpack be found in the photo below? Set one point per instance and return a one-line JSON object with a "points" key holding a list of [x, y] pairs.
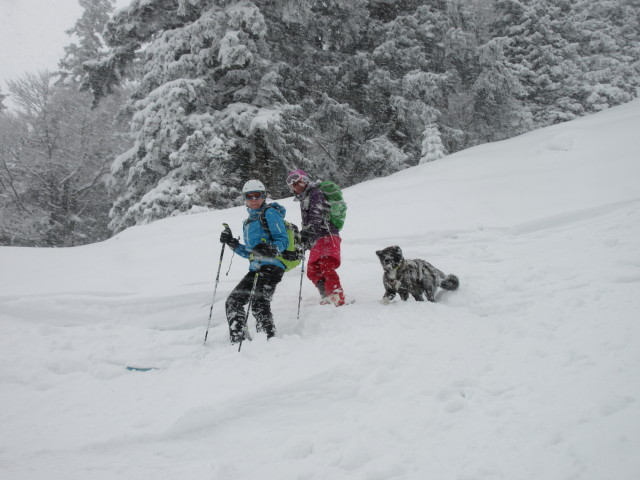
{"points": [[292, 256], [337, 205]]}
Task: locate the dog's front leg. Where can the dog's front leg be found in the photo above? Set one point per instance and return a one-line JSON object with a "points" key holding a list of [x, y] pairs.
{"points": [[388, 296], [404, 294]]}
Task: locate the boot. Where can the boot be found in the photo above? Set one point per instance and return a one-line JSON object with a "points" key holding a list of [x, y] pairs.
{"points": [[336, 298], [237, 332], [323, 295], [266, 326]]}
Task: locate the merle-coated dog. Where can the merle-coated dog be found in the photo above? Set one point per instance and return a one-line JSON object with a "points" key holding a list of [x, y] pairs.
{"points": [[416, 277]]}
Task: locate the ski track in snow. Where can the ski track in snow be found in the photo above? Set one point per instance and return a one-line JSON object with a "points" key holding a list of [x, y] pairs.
{"points": [[529, 371]]}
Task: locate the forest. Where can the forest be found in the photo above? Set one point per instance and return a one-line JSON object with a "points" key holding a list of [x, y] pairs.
{"points": [[166, 107]]}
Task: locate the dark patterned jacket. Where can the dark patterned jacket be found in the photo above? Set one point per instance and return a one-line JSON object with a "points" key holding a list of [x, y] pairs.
{"points": [[315, 212]]}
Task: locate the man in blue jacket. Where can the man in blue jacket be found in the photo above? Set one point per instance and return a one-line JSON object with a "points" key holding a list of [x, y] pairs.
{"points": [[265, 271]]}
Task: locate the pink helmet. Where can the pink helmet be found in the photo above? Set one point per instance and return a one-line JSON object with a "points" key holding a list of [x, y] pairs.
{"points": [[297, 176]]}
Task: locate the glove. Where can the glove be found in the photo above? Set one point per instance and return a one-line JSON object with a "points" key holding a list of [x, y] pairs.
{"points": [[265, 250], [306, 236], [227, 237]]}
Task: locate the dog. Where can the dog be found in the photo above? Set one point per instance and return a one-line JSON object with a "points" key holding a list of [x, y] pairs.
{"points": [[416, 277]]}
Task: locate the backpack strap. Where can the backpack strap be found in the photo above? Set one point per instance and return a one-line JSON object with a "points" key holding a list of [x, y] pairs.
{"points": [[289, 255], [263, 220]]}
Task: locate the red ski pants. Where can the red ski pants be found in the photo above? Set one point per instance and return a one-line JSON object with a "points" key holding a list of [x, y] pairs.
{"points": [[324, 259]]}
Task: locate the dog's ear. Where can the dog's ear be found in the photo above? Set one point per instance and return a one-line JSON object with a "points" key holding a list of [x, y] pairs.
{"points": [[397, 250], [379, 253]]}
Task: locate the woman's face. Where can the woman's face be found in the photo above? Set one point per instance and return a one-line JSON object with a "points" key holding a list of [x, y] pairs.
{"points": [[298, 187], [254, 200]]}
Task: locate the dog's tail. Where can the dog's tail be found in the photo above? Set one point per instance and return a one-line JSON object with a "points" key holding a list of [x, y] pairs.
{"points": [[450, 282]]}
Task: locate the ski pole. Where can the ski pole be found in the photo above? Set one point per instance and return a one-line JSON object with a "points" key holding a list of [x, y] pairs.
{"points": [[215, 288], [301, 276], [246, 317]]}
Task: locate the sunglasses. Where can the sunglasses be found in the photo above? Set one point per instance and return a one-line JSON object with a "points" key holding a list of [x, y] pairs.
{"points": [[253, 195], [293, 178]]}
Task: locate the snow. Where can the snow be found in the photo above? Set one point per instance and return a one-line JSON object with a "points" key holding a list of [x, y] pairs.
{"points": [[531, 370]]}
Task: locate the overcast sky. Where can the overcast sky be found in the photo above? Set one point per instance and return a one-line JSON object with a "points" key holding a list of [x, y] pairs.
{"points": [[32, 34]]}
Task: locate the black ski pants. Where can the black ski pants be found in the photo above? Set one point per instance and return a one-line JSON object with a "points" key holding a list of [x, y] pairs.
{"points": [[268, 277]]}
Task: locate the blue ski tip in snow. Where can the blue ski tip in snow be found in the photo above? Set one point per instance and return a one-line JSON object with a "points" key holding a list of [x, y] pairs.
{"points": [[140, 369]]}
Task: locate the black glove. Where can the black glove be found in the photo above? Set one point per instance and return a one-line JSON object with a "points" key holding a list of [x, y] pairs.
{"points": [[265, 250], [227, 237], [306, 236]]}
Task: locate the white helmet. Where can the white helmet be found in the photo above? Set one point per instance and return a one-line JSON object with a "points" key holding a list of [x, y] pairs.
{"points": [[253, 186]]}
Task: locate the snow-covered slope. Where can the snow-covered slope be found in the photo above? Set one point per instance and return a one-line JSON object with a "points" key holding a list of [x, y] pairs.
{"points": [[530, 371]]}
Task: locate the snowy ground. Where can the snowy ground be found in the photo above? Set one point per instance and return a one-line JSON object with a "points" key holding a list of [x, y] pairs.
{"points": [[530, 371]]}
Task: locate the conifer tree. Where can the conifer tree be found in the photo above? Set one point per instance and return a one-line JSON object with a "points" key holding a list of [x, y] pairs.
{"points": [[410, 65], [339, 129], [568, 54], [326, 74], [351, 89], [432, 147], [607, 34], [207, 81], [90, 47], [498, 109]]}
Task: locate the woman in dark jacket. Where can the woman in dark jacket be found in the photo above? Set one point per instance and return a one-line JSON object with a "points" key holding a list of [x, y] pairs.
{"points": [[320, 236]]}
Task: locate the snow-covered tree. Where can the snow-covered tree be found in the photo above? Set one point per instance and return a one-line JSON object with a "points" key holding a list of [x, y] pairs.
{"points": [[88, 30], [55, 153], [350, 89], [381, 157], [416, 106], [607, 34], [499, 111], [574, 57], [409, 71], [338, 129], [548, 68], [208, 81], [432, 147]]}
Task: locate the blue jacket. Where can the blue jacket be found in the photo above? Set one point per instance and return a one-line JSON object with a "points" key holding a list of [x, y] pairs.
{"points": [[255, 234]]}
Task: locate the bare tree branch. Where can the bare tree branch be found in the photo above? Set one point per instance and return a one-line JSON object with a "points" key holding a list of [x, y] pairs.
{"points": [[16, 195]]}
